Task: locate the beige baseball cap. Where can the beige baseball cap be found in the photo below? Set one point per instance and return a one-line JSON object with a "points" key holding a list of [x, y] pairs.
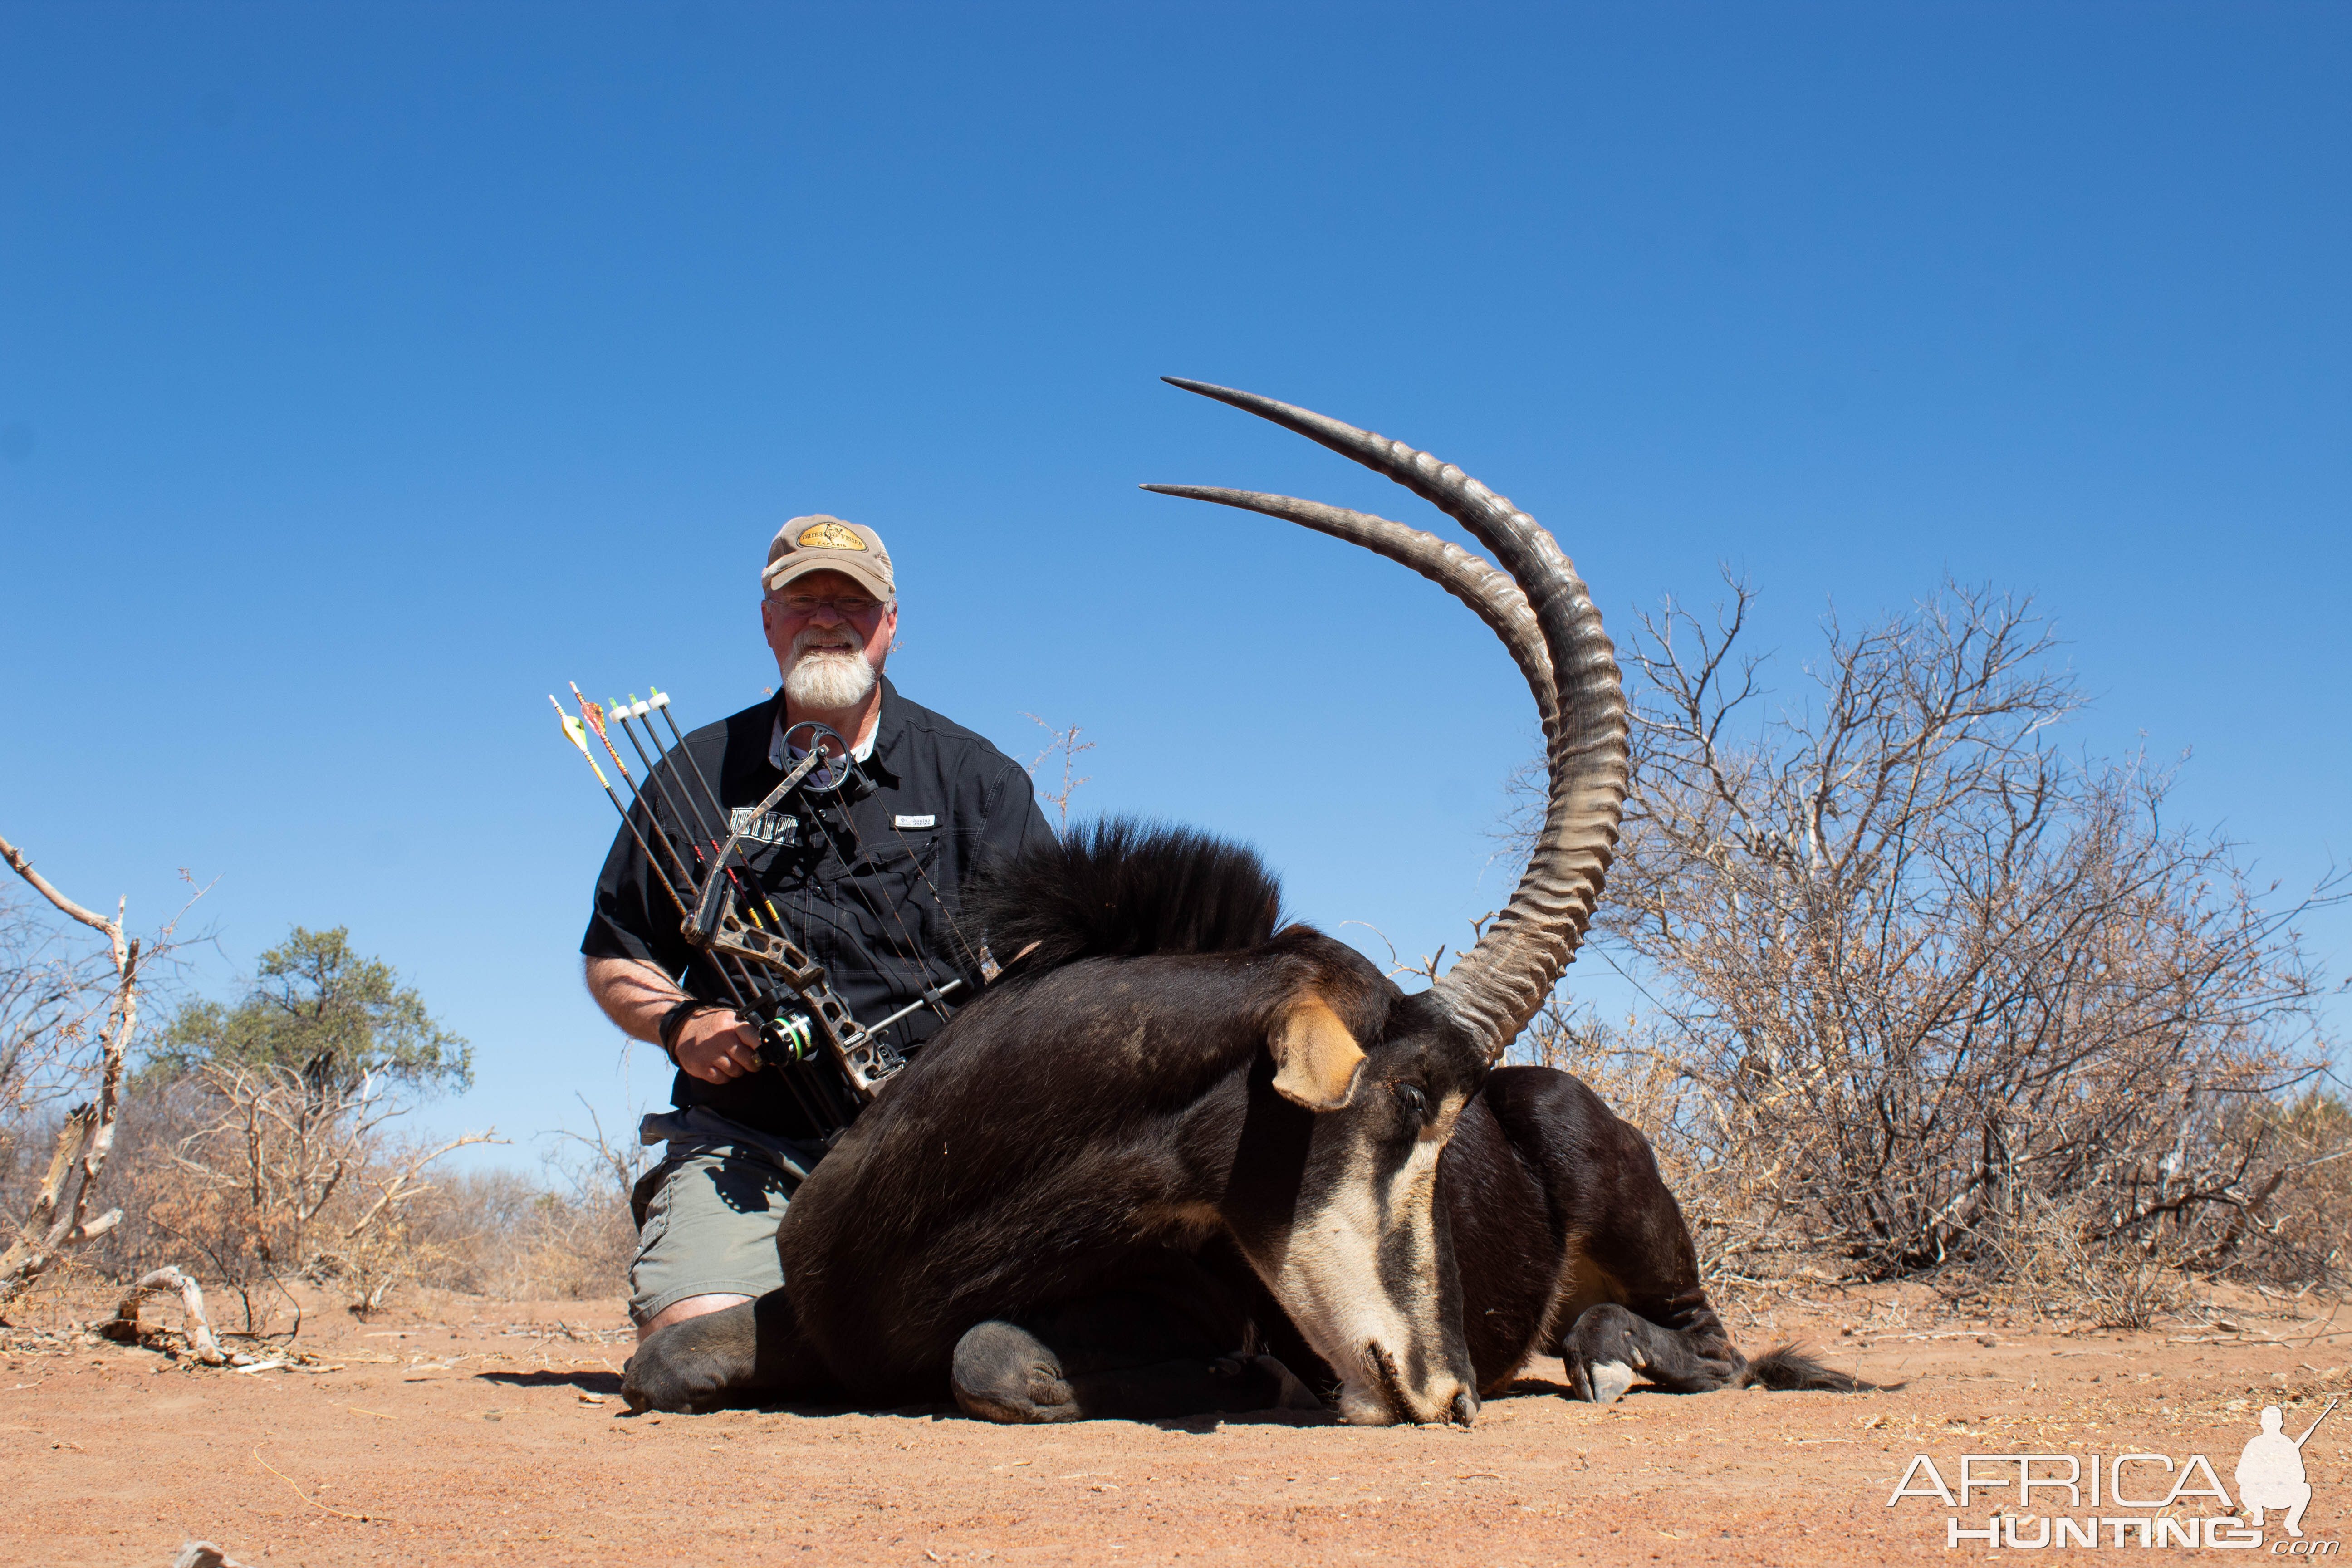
{"points": [[819, 542]]}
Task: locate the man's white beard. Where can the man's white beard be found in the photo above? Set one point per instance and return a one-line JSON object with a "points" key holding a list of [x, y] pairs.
{"points": [[826, 680]]}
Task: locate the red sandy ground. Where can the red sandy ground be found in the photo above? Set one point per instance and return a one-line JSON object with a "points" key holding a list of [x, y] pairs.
{"points": [[465, 1431]]}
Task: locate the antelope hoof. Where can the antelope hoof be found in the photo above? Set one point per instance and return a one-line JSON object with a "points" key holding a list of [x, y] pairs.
{"points": [[1611, 1379], [1004, 1373]]}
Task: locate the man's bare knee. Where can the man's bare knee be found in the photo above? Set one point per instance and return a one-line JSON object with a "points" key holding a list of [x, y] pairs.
{"points": [[692, 1307]]}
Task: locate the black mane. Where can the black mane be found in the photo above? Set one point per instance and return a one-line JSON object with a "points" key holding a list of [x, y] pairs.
{"points": [[1120, 887]]}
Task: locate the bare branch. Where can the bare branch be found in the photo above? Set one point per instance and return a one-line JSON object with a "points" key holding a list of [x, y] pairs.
{"points": [[1067, 742], [110, 928]]}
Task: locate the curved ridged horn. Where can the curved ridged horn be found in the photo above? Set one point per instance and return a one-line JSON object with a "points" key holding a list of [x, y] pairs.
{"points": [[1571, 667], [1470, 578]]}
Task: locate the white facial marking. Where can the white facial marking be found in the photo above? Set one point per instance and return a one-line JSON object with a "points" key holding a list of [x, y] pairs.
{"points": [[1326, 1274]]}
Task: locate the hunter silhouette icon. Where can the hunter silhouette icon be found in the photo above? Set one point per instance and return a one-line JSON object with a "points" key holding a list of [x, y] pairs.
{"points": [[2270, 1471]]}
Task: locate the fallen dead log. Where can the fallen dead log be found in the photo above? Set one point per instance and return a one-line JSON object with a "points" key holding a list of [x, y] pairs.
{"points": [[124, 1324]]}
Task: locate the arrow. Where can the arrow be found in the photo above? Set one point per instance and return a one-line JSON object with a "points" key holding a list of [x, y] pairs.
{"points": [[580, 739], [739, 987], [816, 1094], [578, 736]]}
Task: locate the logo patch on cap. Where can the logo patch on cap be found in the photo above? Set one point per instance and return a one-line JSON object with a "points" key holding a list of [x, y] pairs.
{"points": [[828, 536]]}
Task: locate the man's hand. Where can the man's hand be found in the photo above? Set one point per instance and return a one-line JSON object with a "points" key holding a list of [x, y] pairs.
{"points": [[717, 1045], [714, 1046]]}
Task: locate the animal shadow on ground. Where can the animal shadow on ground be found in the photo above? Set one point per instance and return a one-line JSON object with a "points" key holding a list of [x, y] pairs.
{"points": [[935, 1411], [1529, 1383], [608, 1383], [1202, 1426], [1198, 1425]]}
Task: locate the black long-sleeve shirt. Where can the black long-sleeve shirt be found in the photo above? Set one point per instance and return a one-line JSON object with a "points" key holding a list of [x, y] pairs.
{"points": [[873, 899]]}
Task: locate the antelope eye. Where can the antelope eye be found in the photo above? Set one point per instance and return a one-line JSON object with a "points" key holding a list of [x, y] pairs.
{"points": [[1415, 1103]]}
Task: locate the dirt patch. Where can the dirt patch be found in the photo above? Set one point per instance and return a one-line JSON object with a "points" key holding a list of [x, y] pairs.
{"points": [[493, 1433]]}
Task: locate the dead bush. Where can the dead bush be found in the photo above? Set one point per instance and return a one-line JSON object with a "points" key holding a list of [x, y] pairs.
{"points": [[271, 1176], [2300, 1222], [1929, 991], [561, 1231], [259, 1142], [269, 1144], [566, 1234]]}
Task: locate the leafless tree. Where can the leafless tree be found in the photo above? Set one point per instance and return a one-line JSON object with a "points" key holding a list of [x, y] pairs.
{"points": [[45, 1005], [1931, 986], [50, 1015], [283, 1176]]}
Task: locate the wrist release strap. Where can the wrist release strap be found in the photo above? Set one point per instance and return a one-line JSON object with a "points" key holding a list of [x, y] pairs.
{"points": [[675, 1019]]}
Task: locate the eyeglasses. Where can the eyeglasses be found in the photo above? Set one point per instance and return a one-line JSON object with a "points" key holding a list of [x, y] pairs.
{"points": [[848, 607]]}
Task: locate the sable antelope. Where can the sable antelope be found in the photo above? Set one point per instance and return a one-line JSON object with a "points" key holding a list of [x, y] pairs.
{"points": [[1173, 1138]]}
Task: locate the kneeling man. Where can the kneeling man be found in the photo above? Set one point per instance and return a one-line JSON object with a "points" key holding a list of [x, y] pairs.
{"points": [[868, 886]]}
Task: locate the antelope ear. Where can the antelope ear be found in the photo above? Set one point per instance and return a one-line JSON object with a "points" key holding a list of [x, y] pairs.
{"points": [[1317, 1061]]}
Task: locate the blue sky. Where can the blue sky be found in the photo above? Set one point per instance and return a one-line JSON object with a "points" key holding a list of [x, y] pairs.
{"points": [[368, 372]]}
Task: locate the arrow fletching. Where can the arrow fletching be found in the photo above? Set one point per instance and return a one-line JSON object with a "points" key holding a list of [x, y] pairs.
{"points": [[579, 738], [590, 711], [596, 720]]}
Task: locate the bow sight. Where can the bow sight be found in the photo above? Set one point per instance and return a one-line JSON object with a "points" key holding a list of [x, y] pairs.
{"points": [[767, 978]]}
